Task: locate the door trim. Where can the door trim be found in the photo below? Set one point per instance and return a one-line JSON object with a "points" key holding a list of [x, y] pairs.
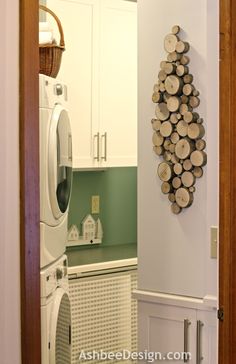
{"points": [[29, 184]]}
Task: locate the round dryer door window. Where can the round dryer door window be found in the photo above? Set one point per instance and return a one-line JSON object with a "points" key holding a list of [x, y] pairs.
{"points": [[60, 161], [60, 329]]}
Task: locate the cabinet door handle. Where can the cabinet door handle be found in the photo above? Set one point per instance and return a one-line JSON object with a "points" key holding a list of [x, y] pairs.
{"points": [[97, 157], [104, 136], [186, 325], [199, 356]]}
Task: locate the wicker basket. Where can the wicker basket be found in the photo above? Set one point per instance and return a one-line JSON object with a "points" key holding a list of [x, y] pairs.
{"points": [[50, 54]]}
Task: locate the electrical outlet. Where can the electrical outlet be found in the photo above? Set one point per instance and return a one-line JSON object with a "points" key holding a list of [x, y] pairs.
{"points": [[214, 236], [95, 204]]}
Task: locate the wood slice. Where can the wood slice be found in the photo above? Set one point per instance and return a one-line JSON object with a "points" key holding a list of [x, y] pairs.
{"points": [[200, 144], [158, 150], [181, 70], [172, 148], [166, 129], [183, 109], [176, 182], [198, 158], [174, 56], [174, 137], [157, 97], [182, 128], [167, 156], [182, 47], [162, 87], [183, 197], [173, 84], [199, 120], [178, 169], [173, 103], [195, 131], [194, 101], [174, 159], [162, 65], [162, 75], [156, 124], [188, 78], [167, 143], [166, 187], [183, 148], [184, 60], [192, 189], [175, 29], [184, 99], [188, 179], [173, 118], [169, 58], [162, 111], [189, 117], [196, 93], [176, 209], [169, 68], [187, 165], [164, 171], [166, 96], [188, 89], [170, 42], [156, 87], [157, 139], [171, 197], [198, 172]]}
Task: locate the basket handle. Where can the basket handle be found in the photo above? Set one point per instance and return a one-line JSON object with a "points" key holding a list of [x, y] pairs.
{"points": [[62, 41]]}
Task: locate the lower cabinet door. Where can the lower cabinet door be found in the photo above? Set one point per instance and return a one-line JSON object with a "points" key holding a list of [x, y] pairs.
{"points": [[167, 333], [206, 340]]}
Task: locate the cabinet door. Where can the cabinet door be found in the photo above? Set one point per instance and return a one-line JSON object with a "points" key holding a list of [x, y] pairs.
{"points": [[168, 330], [79, 68], [118, 83], [206, 337]]}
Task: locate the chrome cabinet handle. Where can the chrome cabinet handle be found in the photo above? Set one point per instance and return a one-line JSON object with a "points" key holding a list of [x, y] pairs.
{"points": [[70, 147], [105, 147], [186, 326], [199, 356], [97, 157]]}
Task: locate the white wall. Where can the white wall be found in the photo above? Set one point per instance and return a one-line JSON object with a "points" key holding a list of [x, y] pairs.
{"points": [[174, 250], [9, 186]]}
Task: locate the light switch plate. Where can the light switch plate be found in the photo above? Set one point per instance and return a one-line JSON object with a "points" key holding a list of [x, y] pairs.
{"points": [[214, 241], [95, 204]]}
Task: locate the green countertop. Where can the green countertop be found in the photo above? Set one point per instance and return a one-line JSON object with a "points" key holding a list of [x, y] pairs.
{"points": [[81, 255]]}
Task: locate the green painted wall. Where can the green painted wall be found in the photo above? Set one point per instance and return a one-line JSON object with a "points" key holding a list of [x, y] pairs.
{"points": [[117, 188]]}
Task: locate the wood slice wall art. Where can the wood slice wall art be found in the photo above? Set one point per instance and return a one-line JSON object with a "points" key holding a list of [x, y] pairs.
{"points": [[178, 130]]}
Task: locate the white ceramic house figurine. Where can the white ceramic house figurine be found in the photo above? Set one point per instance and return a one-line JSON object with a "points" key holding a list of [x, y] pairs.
{"points": [[73, 233], [89, 228], [99, 230]]}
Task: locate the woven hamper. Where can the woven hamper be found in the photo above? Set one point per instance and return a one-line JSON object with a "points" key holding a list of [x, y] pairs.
{"points": [[50, 54]]}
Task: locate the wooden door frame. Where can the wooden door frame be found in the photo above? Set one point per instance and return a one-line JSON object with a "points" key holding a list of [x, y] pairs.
{"points": [[29, 183]]}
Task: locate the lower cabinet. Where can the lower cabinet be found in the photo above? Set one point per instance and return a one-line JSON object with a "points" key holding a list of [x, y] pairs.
{"points": [[177, 334]]}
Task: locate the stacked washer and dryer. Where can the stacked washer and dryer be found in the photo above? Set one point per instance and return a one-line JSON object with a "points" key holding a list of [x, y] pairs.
{"points": [[55, 191]]}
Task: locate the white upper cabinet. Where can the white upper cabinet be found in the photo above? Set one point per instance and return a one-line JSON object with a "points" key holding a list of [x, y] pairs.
{"points": [[100, 68], [118, 82]]}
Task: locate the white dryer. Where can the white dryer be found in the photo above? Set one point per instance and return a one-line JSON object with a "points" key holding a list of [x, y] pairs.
{"points": [[55, 168], [55, 314]]}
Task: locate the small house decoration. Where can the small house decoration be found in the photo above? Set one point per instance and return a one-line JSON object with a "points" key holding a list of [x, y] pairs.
{"points": [[73, 233], [178, 128], [89, 228], [99, 230]]}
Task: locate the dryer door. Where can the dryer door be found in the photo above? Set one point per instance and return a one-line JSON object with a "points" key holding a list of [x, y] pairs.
{"points": [[60, 329], [60, 161]]}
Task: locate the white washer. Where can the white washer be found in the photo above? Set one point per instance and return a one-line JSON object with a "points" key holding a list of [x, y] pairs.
{"points": [[55, 169], [55, 314]]}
